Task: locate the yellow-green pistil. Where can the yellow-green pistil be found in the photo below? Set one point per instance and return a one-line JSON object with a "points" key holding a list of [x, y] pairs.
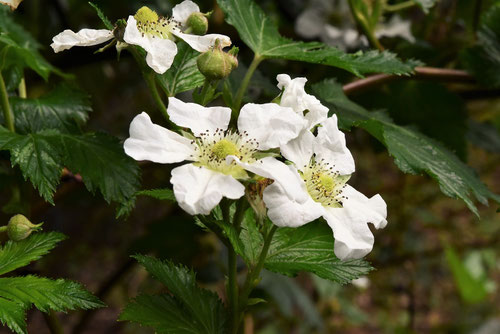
{"points": [[223, 148], [150, 23], [324, 184]]}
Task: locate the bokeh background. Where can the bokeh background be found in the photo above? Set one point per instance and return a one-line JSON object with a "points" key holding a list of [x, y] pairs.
{"points": [[437, 265]]}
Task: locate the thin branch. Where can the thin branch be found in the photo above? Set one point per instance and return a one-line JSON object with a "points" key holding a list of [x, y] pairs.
{"points": [[421, 73]]}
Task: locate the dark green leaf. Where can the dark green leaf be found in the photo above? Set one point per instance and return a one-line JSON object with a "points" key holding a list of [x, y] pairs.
{"points": [[103, 17], [161, 194], [46, 294], [183, 75], [262, 36], [13, 316], [14, 255], [483, 60], [310, 248], [163, 313], [413, 151], [63, 109], [203, 307]]}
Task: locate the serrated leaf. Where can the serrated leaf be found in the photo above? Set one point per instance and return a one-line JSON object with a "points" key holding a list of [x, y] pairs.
{"points": [[64, 109], [104, 19], [19, 48], [15, 255], [483, 60], [161, 194], [413, 152], [183, 75], [13, 316], [163, 313], [203, 307], [262, 36], [46, 294], [310, 248], [426, 4]]}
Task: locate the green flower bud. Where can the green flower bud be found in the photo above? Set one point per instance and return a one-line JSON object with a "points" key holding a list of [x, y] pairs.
{"points": [[20, 228], [217, 64], [198, 23]]}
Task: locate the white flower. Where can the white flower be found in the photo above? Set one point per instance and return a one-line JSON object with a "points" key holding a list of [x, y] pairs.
{"points": [[155, 34], [322, 165], [220, 157]]}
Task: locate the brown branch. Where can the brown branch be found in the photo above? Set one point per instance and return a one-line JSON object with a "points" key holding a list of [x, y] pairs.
{"points": [[421, 73]]}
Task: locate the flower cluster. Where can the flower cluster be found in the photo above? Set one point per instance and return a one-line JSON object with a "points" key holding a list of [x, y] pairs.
{"points": [[155, 34], [307, 181]]}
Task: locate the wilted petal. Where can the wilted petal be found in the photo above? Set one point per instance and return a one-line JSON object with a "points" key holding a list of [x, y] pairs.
{"points": [[182, 11], [152, 142], [198, 189], [283, 210], [353, 238], [11, 3], [160, 51], [295, 97], [330, 145], [270, 124], [197, 117], [85, 37], [396, 27], [203, 43], [299, 150]]}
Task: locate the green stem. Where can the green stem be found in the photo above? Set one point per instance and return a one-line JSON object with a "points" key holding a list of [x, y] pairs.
{"points": [[4, 100], [53, 322], [244, 84], [363, 24], [400, 6], [150, 79], [3, 229], [232, 288], [252, 277]]}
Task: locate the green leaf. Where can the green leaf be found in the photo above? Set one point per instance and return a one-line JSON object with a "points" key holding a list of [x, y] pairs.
{"points": [[19, 48], [163, 313], [64, 109], [46, 294], [426, 4], [13, 316], [310, 248], [203, 307], [14, 255], [103, 17], [183, 75], [483, 60], [161, 194], [262, 36], [413, 152], [471, 289]]}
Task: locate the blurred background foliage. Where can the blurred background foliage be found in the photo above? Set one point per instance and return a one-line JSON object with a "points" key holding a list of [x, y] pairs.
{"points": [[437, 265]]}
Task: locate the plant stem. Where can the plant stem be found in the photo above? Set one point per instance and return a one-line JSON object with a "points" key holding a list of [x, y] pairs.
{"points": [[400, 6], [363, 24], [244, 84], [7, 111], [150, 80], [232, 288], [53, 322], [253, 275], [3, 229]]}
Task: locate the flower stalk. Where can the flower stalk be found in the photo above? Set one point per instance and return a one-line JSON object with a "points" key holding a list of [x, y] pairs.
{"points": [[7, 111], [244, 84]]}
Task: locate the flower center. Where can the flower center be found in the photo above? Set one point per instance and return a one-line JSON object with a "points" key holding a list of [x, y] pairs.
{"points": [[324, 184], [149, 23], [213, 147]]}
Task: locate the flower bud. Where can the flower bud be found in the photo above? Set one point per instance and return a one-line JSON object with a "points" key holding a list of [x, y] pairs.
{"points": [[20, 228], [217, 64], [198, 23]]}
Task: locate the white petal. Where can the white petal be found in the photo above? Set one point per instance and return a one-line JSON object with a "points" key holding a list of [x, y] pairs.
{"points": [[198, 189], [182, 11], [394, 28], [270, 124], [11, 3], [285, 211], [330, 145], [197, 117], [285, 175], [295, 97], [202, 43], [160, 51], [152, 142], [353, 238], [85, 37], [299, 150]]}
